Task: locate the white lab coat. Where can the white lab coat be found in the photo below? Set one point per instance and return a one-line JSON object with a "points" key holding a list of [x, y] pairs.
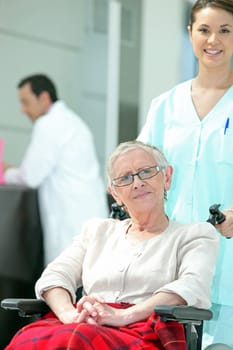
{"points": [[61, 162]]}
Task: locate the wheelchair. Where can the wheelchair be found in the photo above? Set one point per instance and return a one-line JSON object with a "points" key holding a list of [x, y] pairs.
{"points": [[191, 317]]}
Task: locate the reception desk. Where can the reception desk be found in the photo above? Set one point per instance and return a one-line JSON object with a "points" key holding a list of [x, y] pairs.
{"points": [[21, 251]]}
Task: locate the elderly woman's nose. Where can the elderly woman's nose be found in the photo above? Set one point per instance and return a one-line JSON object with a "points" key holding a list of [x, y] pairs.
{"points": [[137, 181]]}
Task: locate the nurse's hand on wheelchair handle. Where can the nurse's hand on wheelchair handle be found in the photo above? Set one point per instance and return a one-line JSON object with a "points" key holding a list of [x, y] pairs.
{"points": [[217, 217]]}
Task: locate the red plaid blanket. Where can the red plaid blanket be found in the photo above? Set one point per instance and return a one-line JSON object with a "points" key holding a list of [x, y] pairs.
{"points": [[49, 333]]}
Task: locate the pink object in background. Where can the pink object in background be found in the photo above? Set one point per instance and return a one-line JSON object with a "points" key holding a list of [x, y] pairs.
{"points": [[1, 160]]}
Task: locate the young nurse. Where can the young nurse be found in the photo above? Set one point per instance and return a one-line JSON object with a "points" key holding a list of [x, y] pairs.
{"points": [[193, 125]]}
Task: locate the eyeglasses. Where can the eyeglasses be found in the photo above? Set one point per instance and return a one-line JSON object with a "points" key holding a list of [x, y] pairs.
{"points": [[143, 174]]}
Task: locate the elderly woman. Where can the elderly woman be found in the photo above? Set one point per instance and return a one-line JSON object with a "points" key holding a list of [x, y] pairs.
{"points": [[126, 267]]}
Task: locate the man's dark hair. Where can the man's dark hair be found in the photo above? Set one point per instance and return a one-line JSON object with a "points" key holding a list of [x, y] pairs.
{"points": [[40, 83]]}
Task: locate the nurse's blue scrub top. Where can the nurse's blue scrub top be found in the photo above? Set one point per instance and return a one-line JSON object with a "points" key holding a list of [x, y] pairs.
{"points": [[201, 153]]}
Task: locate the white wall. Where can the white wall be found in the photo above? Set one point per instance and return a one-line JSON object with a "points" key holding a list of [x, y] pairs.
{"points": [[161, 39]]}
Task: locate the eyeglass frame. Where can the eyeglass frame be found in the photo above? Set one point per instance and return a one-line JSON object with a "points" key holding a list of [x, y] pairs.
{"points": [[157, 167]]}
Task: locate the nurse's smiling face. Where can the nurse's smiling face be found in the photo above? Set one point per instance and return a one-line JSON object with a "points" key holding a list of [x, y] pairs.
{"points": [[31, 105], [211, 35]]}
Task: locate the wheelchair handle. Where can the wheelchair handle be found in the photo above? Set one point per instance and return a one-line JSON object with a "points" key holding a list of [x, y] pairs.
{"points": [[216, 216], [118, 212]]}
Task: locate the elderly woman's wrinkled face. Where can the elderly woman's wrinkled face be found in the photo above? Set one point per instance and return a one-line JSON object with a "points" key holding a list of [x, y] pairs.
{"points": [[143, 193]]}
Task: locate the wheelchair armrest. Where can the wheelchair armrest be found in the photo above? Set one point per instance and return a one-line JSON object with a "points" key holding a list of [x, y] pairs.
{"points": [[25, 307], [191, 317], [183, 313]]}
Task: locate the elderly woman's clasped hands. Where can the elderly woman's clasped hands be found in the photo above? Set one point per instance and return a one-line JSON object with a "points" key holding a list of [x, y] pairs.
{"points": [[92, 310]]}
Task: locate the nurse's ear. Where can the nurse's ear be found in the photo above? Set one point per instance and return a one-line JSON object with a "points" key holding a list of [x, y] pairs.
{"points": [[189, 28]]}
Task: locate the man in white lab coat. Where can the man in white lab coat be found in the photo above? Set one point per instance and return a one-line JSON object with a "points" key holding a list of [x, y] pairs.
{"points": [[61, 162]]}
